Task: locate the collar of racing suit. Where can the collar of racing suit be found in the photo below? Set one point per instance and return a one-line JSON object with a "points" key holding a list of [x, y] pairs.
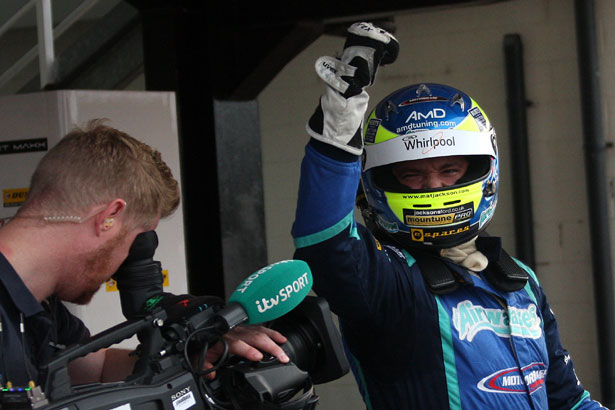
{"points": [[466, 255]]}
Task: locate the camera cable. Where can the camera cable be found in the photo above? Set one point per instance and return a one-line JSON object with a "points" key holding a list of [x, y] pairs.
{"points": [[199, 375]]}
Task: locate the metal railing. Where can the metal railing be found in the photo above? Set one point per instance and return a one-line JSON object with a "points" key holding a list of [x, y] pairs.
{"points": [[47, 34]]}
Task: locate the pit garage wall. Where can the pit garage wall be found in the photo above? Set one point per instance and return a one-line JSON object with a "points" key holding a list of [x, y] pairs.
{"points": [[463, 47]]}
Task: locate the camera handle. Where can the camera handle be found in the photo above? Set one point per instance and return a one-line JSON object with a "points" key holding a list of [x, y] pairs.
{"points": [[57, 381]]}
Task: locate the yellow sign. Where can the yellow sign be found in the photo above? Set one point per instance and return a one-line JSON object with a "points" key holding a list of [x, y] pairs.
{"points": [[111, 285], [14, 197], [165, 278]]}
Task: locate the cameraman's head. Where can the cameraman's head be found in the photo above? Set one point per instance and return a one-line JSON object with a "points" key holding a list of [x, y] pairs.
{"points": [[93, 166], [90, 196]]}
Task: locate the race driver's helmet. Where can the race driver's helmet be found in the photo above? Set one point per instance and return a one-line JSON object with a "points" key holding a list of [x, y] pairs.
{"points": [[426, 121]]}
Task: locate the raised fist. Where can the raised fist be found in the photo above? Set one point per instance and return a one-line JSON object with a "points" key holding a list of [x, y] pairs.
{"points": [[338, 119]]}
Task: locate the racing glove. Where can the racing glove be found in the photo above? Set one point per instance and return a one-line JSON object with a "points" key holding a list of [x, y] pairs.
{"points": [[338, 119]]}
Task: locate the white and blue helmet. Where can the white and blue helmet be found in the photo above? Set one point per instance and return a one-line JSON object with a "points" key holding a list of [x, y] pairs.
{"points": [[426, 121]]}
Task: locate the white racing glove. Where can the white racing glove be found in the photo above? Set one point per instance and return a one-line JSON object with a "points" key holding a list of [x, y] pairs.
{"points": [[338, 119]]}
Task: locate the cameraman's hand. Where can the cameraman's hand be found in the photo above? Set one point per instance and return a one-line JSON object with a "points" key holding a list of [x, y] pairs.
{"points": [[248, 342]]}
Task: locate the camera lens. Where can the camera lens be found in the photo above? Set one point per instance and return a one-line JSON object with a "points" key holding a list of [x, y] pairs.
{"points": [[303, 345], [314, 344]]}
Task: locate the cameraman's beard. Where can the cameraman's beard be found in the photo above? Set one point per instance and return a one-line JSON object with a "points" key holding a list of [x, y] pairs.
{"points": [[98, 269]]}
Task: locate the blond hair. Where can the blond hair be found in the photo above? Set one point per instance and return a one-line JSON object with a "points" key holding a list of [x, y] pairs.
{"points": [[95, 165]]}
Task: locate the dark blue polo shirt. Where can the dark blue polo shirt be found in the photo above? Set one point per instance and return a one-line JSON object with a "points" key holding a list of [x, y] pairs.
{"points": [[48, 327]]}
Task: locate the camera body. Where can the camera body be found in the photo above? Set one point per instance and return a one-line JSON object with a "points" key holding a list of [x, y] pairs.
{"points": [[163, 380], [173, 336]]}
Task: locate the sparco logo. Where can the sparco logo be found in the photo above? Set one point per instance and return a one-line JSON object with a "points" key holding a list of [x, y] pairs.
{"points": [[418, 116]]}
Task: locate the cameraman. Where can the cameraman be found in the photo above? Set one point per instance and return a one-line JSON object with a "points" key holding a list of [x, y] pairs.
{"points": [[90, 196]]}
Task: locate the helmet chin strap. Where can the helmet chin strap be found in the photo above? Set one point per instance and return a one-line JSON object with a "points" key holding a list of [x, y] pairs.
{"points": [[466, 255]]}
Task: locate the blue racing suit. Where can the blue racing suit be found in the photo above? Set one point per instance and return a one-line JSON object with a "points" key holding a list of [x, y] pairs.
{"points": [[474, 348]]}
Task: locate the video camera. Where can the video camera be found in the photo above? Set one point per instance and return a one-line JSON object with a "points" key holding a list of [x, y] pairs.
{"points": [[176, 331]]}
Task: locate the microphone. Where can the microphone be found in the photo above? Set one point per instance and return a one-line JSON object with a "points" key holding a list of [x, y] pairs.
{"points": [[268, 294]]}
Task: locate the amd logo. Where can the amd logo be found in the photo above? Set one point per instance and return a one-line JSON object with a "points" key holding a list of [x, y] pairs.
{"points": [[435, 113]]}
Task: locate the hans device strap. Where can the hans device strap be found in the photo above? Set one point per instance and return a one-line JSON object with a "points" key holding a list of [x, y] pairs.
{"points": [[504, 274], [439, 278]]}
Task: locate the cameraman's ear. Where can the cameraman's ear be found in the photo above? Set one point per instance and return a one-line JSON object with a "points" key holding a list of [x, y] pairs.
{"points": [[106, 219]]}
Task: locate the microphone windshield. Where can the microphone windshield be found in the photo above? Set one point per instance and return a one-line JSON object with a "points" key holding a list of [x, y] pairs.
{"points": [[273, 291]]}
